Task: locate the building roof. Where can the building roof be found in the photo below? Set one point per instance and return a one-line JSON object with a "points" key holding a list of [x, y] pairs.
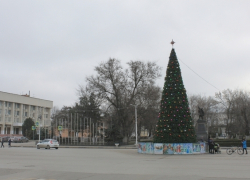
{"points": [[25, 99]]}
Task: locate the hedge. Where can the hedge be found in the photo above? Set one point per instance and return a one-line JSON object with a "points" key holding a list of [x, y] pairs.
{"points": [[230, 142], [221, 142]]}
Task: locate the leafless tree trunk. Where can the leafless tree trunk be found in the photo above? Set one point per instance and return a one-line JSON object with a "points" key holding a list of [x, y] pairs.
{"points": [[243, 104], [227, 99]]}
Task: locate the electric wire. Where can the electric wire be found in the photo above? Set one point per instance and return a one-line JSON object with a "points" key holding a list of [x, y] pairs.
{"points": [[223, 103], [199, 75]]}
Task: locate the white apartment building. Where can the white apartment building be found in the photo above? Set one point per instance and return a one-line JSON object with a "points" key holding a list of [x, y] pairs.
{"points": [[14, 109]]}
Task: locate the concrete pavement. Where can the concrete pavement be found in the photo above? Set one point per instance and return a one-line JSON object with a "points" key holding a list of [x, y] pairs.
{"points": [[22, 163]]}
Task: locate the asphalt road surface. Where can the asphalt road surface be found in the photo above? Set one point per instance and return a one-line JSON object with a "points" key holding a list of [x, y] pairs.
{"points": [[28, 163]]}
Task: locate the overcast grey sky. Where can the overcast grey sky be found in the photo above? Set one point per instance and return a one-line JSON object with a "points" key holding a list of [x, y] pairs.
{"points": [[49, 47]]}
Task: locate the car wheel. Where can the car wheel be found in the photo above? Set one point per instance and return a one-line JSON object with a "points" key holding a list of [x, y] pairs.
{"points": [[48, 147], [56, 148], [37, 147]]}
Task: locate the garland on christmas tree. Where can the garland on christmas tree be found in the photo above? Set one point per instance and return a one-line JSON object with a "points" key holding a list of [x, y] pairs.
{"points": [[175, 124]]}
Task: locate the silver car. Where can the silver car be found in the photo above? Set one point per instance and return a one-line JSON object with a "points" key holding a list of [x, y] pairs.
{"points": [[20, 139], [47, 144]]}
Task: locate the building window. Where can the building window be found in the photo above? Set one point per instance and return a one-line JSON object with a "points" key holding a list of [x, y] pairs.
{"points": [[40, 110], [25, 106], [7, 104], [1, 103], [32, 108], [17, 105], [17, 120], [26, 114], [32, 115], [17, 113]]}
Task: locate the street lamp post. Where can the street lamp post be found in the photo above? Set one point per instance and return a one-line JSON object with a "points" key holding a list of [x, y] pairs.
{"points": [[135, 123]]}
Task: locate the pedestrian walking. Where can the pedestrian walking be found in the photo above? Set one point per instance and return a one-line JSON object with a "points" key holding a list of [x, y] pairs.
{"points": [[2, 146], [9, 143], [244, 145]]}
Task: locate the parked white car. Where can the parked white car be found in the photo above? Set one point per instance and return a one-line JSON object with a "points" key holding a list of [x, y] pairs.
{"points": [[47, 144]]}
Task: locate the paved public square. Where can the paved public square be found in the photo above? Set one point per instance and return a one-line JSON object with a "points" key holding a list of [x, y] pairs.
{"points": [[29, 163]]}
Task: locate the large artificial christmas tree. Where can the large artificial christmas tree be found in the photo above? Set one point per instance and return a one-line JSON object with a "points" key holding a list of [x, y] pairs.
{"points": [[175, 124]]}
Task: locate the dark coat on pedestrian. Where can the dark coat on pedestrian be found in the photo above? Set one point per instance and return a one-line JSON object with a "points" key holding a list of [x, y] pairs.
{"points": [[2, 143]]}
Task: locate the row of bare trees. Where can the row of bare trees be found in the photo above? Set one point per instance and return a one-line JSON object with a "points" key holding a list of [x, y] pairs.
{"points": [[230, 108], [113, 91]]}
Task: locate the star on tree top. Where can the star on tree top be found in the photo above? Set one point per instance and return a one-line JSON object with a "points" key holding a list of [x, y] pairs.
{"points": [[172, 42]]}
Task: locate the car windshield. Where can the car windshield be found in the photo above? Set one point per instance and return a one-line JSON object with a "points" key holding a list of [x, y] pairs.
{"points": [[46, 140]]}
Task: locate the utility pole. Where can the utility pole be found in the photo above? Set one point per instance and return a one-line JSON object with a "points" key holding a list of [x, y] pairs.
{"points": [[135, 123]]}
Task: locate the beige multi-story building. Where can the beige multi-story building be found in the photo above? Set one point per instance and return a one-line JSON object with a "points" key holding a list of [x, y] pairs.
{"points": [[14, 109]]}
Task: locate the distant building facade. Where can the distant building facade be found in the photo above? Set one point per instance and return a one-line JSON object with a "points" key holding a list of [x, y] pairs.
{"points": [[14, 109]]}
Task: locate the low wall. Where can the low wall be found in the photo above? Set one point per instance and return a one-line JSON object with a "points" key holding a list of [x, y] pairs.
{"points": [[172, 148]]}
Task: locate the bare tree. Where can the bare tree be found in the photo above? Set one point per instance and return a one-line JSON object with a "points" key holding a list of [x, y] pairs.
{"points": [[119, 88], [208, 104], [236, 104], [54, 111], [227, 100], [242, 104], [148, 108]]}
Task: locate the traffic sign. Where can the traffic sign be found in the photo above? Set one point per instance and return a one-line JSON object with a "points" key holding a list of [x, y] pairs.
{"points": [[33, 127], [59, 128], [37, 124]]}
